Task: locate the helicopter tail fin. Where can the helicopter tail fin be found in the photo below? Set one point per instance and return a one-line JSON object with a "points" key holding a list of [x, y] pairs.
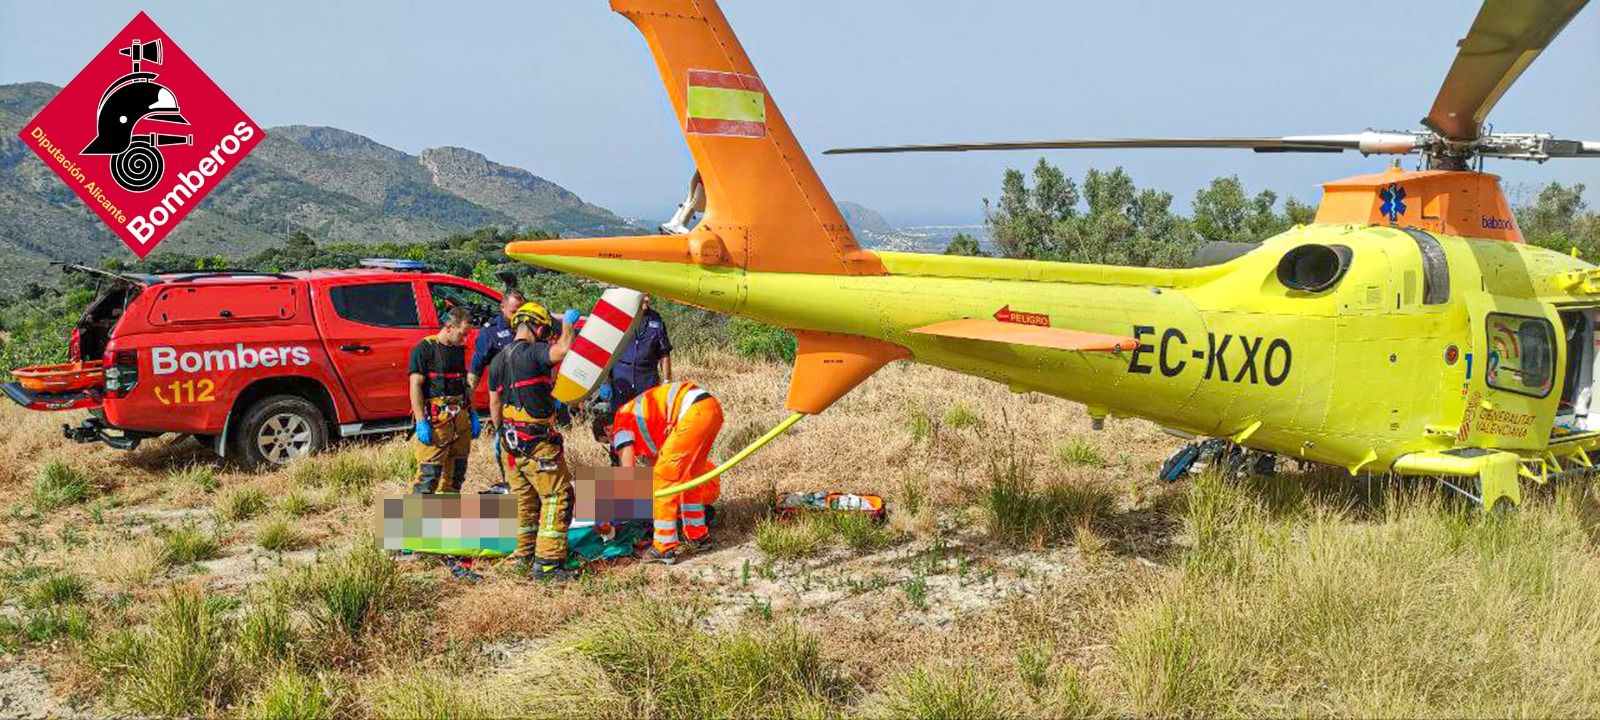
{"points": [[764, 201]]}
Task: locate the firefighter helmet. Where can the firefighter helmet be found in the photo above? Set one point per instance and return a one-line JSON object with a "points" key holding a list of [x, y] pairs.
{"points": [[123, 107], [531, 313]]}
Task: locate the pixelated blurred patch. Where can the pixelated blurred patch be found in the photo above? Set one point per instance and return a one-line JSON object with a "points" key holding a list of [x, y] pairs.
{"points": [[468, 525], [613, 494]]}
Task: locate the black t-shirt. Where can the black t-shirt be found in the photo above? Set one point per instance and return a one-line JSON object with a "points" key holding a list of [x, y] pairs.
{"points": [[513, 367], [444, 366]]}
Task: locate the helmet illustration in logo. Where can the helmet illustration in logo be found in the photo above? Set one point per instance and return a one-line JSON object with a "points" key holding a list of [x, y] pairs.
{"points": [[136, 162]]}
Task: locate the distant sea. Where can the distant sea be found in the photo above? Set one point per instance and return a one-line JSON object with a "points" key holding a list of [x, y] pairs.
{"points": [[912, 238], [925, 238]]}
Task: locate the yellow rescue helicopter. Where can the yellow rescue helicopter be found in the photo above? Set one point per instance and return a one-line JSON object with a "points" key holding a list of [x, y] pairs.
{"points": [[1407, 330]]}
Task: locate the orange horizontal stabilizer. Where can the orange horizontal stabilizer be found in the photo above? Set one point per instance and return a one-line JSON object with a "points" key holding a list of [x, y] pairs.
{"points": [[1031, 335], [661, 248]]}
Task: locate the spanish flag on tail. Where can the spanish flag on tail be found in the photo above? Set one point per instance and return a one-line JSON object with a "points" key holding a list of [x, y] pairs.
{"points": [[726, 103]]}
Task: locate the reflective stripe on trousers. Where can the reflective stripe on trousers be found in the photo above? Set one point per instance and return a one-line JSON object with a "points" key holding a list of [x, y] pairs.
{"points": [[549, 515], [666, 533]]}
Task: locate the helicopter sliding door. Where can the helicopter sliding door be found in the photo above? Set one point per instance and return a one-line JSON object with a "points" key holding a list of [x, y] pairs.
{"points": [[1513, 401], [1577, 411]]}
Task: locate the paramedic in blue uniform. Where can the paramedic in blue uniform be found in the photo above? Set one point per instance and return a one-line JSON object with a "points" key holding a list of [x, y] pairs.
{"points": [[494, 337], [643, 363]]}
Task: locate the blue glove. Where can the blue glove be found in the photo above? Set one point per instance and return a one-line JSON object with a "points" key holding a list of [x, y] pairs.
{"points": [[477, 425], [425, 432], [571, 317]]}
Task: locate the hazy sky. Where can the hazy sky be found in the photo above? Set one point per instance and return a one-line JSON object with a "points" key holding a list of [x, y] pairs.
{"points": [[566, 89]]}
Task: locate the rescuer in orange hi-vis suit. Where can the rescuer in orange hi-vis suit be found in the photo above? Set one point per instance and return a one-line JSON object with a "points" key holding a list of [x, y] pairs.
{"points": [[671, 427]]}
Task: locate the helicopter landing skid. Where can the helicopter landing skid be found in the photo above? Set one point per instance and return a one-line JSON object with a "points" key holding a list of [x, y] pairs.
{"points": [[1217, 454]]}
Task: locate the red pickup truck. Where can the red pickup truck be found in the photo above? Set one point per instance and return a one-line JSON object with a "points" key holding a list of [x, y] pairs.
{"points": [[265, 367]]}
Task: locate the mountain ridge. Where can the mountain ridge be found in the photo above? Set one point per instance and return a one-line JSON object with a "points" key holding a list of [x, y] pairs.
{"points": [[335, 184]]}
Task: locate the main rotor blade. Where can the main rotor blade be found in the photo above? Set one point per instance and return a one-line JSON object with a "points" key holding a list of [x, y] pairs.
{"points": [[1367, 142], [1503, 42]]}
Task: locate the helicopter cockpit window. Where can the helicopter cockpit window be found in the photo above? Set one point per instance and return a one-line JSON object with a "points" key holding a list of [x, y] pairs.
{"points": [[1521, 354]]}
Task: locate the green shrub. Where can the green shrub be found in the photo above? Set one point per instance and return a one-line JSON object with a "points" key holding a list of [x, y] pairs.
{"points": [[242, 503], [1068, 699], [1022, 512], [280, 536], [176, 666], [297, 504], [924, 693], [761, 341], [198, 476], [1078, 452], [654, 654], [1033, 665], [788, 540], [293, 695], [266, 634], [38, 322], [187, 543], [428, 693], [916, 589], [959, 417], [349, 592], [859, 532], [59, 588], [44, 625], [807, 534], [59, 485], [911, 495], [344, 472], [920, 425]]}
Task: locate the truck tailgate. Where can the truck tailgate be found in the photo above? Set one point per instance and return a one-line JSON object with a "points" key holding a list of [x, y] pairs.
{"points": [[75, 400]]}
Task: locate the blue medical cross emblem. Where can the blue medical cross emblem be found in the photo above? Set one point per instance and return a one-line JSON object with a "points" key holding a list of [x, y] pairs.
{"points": [[1394, 201]]}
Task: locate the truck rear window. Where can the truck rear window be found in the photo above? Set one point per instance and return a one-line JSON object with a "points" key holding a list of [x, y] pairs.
{"points": [[380, 304], [223, 303]]}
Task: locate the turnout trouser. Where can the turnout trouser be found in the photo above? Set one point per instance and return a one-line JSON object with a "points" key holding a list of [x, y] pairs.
{"points": [[683, 457], [442, 466], [545, 496]]}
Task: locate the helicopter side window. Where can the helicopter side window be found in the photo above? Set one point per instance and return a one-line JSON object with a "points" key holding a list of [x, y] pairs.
{"points": [[1521, 354]]}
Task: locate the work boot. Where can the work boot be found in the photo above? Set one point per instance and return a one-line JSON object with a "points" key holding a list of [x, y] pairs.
{"points": [[553, 572], [652, 555], [461, 571]]}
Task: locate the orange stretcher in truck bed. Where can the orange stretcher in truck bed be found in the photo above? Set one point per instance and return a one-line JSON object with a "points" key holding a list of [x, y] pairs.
{"points": [[61, 378]]}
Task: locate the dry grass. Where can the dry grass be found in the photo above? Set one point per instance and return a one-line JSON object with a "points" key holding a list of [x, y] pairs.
{"points": [[803, 536], [1414, 609], [1030, 567], [509, 608], [242, 503], [279, 535], [123, 564], [58, 485]]}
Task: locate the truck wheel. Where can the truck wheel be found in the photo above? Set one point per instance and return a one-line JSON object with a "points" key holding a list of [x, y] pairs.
{"points": [[279, 429]]}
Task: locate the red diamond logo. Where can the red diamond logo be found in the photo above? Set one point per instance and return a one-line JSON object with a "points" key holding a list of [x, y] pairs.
{"points": [[141, 134]]}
